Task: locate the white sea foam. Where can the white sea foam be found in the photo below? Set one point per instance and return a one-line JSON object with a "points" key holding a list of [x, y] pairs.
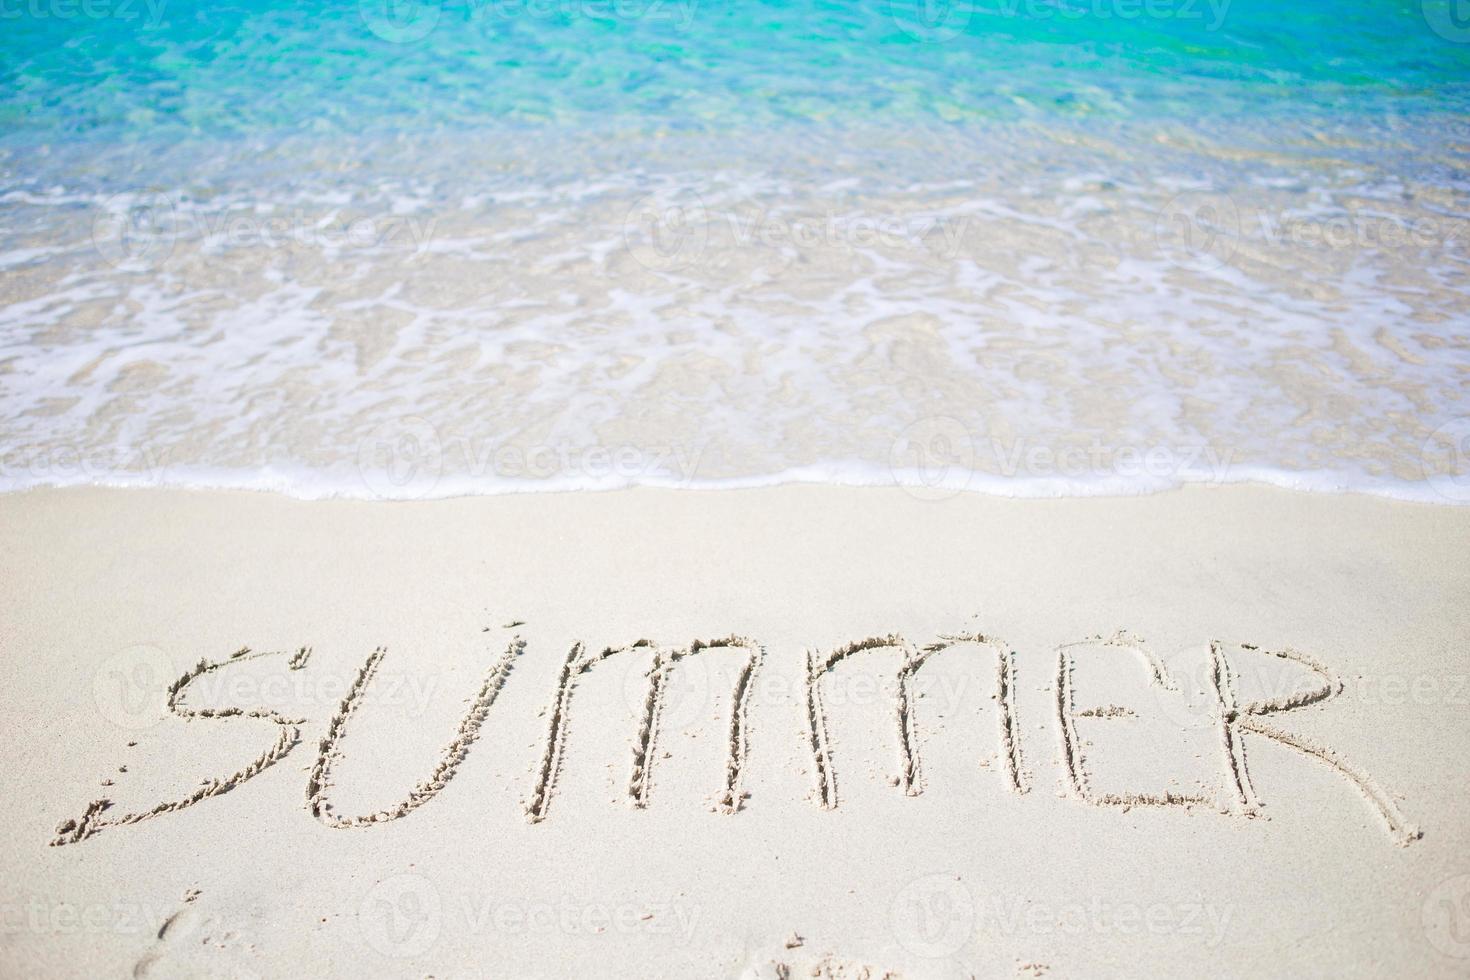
{"points": [[1099, 323]]}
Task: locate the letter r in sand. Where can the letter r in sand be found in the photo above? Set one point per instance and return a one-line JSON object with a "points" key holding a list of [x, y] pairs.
{"points": [[1236, 719]]}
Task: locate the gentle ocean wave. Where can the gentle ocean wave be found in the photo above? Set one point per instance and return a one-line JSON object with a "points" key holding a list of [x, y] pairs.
{"points": [[929, 483], [1018, 248]]}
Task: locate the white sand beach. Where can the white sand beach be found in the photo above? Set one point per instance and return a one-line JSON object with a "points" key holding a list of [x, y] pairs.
{"points": [[1211, 731]]}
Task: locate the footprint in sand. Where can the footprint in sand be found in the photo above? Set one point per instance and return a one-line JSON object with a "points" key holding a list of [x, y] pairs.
{"points": [[191, 943]]}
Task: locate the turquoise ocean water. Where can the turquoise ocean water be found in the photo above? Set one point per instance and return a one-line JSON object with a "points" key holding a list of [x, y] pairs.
{"points": [[155, 70], [413, 248]]}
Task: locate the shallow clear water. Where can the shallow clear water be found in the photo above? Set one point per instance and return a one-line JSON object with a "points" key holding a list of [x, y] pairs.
{"points": [[1019, 247]]}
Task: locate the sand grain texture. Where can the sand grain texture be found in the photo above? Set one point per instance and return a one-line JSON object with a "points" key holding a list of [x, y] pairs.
{"points": [[654, 733]]}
